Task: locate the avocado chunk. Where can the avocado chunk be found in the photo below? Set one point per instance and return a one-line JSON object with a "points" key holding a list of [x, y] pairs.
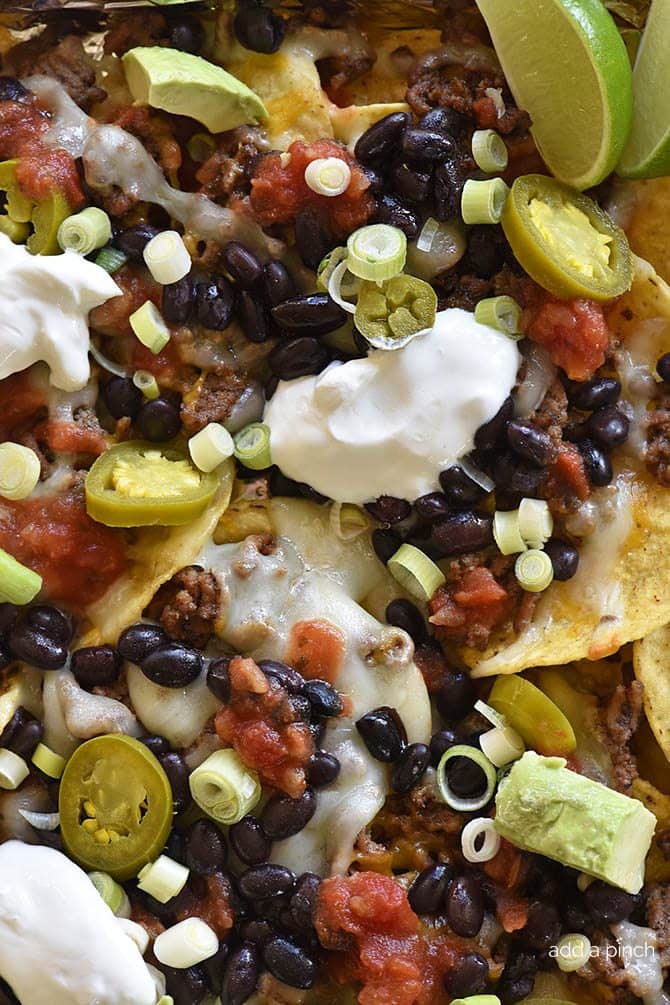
{"points": [[183, 84], [543, 807]]}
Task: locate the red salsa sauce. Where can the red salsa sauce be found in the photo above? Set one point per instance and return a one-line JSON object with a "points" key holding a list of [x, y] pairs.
{"points": [[41, 169], [574, 332]]}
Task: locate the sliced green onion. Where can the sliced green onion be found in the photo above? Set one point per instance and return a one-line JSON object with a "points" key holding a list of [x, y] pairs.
{"points": [[477, 1000], [502, 745], [489, 151], [149, 327], [200, 147], [377, 252], [19, 470], [252, 446], [327, 266], [490, 773], [48, 761], [506, 532], [211, 447], [13, 769], [85, 231], [348, 521], [336, 288], [480, 841], [490, 714], [224, 787], [110, 259], [19, 207], [147, 384], [572, 952], [165, 999], [186, 944], [483, 201], [329, 176], [18, 584], [167, 257], [536, 523], [534, 571], [415, 572], [17, 233], [112, 893], [163, 879], [501, 313]]}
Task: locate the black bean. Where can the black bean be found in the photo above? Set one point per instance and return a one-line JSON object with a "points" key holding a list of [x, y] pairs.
{"points": [[322, 769], [608, 427], [543, 926], [12, 90], [133, 241], [283, 817], [206, 848], [445, 120], [5, 656], [465, 906], [441, 742], [218, 679], [607, 904], [22, 733], [432, 506], [214, 966], [156, 744], [576, 915], [404, 614], [383, 733], [249, 841], [513, 475], [466, 778], [456, 696], [303, 901], [122, 398], [427, 144], [312, 237], [254, 319], [187, 34], [257, 930], [410, 183], [427, 892], [301, 707], [289, 963], [256, 27], [172, 665], [564, 558], [382, 139], [32, 645], [287, 677], [214, 303], [94, 666], [137, 641], [531, 443], [241, 265], [8, 615], [450, 178], [385, 543], [270, 909], [485, 254], [187, 987], [310, 313], [178, 301], [463, 532], [392, 211], [388, 509], [376, 179], [158, 420], [7, 996], [491, 433], [177, 770], [596, 462], [467, 976], [518, 977], [324, 698], [594, 393], [277, 285], [56, 625], [241, 975], [663, 367], [410, 767], [266, 880], [298, 358], [459, 488]]}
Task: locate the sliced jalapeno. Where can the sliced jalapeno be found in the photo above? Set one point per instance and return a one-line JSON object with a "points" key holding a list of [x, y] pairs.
{"points": [[46, 219], [536, 718], [115, 806], [391, 314], [138, 484]]}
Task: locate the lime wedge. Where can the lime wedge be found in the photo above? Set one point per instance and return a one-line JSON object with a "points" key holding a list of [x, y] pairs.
{"points": [[647, 153], [567, 65]]}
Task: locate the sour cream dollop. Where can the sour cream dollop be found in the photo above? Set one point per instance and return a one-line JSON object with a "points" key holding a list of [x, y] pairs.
{"points": [[46, 301], [388, 424], [59, 942]]}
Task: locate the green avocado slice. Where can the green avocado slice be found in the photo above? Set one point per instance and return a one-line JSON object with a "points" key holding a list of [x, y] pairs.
{"points": [[183, 84]]}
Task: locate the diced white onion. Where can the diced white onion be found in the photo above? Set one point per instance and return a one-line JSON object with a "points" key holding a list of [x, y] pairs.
{"points": [[480, 831], [211, 446], [502, 745], [424, 241], [476, 475], [330, 176], [135, 933], [41, 821], [186, 944], [348, 521], [490, 714], [540, 372], [167, 257], [572, 952], [163, 879], [107, 364], [13, 769], [335, 288]]}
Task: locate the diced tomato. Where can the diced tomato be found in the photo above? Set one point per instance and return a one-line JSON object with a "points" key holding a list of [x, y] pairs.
{"points": [[507, 867], [574, 332], [567, 477], [316, 649], [477, 600], [42, 170], [512, 911], [479, 588], [77, 558], [214, 907], [279, 190], [21, 123], [21, 403]]}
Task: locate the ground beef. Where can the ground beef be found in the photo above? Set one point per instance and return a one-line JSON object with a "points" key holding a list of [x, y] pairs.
{"points": [[619, 718], [188, 605], [658, 438], [209, 898], [227, 172], [552, 415], [213, 399], [127, 29], [67, 62], [337, 71], [462, 291], [155, 131], [658, 917]]}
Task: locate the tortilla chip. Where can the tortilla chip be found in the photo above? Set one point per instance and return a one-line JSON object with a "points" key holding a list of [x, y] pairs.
{"points": [[155, 554], [651, 661], [646, 206], [658, 866], [619, 593]]}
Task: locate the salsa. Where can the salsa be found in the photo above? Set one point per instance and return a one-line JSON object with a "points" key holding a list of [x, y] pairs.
{"points": [[573, 331]]}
